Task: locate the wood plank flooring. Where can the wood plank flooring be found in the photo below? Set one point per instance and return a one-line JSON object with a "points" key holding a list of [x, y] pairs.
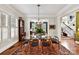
{"points": [[70, 44]]}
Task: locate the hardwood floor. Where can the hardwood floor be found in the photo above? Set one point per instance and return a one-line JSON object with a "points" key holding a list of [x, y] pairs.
{"points": [[22, 48], [70, 44]]}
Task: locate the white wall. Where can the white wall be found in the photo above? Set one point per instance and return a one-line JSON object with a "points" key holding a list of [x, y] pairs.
{"points": [[52, 32], [10, 11], [58, 27]]}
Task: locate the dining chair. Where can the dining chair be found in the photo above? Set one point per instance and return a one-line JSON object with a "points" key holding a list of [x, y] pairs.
{"points": [[56, 43], [46, 46], [34, 46]]}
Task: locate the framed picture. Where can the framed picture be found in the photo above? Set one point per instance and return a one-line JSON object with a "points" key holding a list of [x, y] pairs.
{"points": [[51, 26]]}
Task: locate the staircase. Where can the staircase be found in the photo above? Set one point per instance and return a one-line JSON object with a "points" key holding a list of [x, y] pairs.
{"points": [[68, 30]]}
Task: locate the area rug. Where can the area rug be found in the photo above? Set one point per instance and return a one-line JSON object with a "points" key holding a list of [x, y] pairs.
{"points": [[55, 50]]}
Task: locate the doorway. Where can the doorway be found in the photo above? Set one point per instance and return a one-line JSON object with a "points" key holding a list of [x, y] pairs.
{"points": [[68, 27]]}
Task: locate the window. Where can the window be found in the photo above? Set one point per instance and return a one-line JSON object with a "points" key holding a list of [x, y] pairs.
{"points": [[4, 26], [16, 32], [14, 27], [32, 26], [13, 21], [12, 32], [8, 27], [0, 27], [4, 19], [4, 34], [0, 34], [45, 26], [0, 20], [16, 22]]}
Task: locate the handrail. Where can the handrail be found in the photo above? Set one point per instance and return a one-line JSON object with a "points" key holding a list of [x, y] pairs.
{"points": [[67, 26], [68, 31]]}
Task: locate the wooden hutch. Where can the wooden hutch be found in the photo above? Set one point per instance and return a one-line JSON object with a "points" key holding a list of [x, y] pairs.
{"points": [[21, 30]]}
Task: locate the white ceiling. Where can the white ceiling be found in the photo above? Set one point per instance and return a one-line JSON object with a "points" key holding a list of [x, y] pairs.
{"points": [[45, 9]]}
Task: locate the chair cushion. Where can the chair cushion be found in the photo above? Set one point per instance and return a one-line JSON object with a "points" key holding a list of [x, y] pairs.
{"points": [[45, 44], [34, 44]]}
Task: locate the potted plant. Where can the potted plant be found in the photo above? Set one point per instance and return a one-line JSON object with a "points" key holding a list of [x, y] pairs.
{"points": [[39, 31]]}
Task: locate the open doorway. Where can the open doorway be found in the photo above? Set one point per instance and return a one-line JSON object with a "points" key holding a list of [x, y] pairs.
{"points": [[68, 29]]}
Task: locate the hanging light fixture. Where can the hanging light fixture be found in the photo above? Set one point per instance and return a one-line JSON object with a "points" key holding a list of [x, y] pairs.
{"points": [[38, 11], [38, 15]]}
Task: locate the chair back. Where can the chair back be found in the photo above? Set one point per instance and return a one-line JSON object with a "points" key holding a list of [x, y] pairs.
{"points": [[34, 42], [45, 42], [55, 39]]}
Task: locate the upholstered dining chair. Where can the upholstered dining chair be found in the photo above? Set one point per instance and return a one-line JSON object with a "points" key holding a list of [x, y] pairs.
{"points": [[46, 46], [55, 39], [56, 43], [45, 42], [34, 45]]}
